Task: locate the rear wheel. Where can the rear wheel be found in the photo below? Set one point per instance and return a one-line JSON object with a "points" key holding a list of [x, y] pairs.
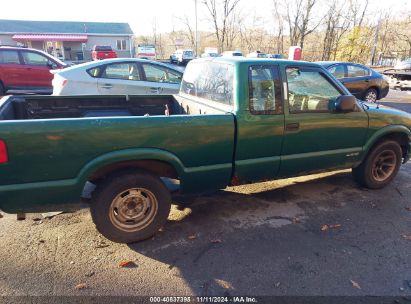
{"points": [[380, 167], [130, 207], [371, 95]]}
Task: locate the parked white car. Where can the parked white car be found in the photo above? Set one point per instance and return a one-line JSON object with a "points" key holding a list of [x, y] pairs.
{"points": [[232, 54], [183, 56], [117, 77], [257, 54]]}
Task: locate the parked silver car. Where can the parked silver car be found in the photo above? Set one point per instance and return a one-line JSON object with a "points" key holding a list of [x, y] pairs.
{"points": [[117, 77]]}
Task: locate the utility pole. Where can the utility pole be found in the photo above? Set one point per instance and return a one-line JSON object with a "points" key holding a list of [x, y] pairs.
{"points": [[196, 30]]}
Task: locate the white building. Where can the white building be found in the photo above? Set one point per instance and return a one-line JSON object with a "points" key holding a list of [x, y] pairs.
{"points": [[72, 41]]}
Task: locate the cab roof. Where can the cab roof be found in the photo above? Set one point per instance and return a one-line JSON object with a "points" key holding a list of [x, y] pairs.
{"points": [[247, 60]]}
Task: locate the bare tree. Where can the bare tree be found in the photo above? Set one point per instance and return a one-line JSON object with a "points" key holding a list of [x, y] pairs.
{"points": [[299, 16], [357, 11], [189, 32], [305, 28], [279, 39], [336, 26], [253, 34], [221, 15]]}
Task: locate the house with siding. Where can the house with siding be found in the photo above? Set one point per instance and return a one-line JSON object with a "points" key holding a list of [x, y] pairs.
{"points": [[71, 41]]}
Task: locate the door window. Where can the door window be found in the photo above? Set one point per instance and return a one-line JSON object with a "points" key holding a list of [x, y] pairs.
{"points": [[160, 74], [264, 90], [337, 71], [125, 71], [309, 91], [35, 59], [357, 71], [9, 57]]}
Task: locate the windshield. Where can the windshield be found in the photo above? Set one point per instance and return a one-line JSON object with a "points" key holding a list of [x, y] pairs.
{"points": [[209, 80], [188, 53]]}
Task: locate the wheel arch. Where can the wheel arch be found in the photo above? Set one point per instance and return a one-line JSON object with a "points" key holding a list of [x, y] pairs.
{"points": [[153, 166], [155, 161], [400, 134], [376, 88]]}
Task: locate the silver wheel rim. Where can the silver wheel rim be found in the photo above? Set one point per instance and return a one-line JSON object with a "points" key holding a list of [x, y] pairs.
{"points": [[133, 209], [384, 165], [371, 96]]}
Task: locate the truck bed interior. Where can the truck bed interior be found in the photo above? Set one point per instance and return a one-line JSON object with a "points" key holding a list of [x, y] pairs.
{"points": [[49, 107]]}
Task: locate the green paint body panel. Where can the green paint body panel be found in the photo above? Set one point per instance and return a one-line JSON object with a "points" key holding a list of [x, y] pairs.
{"points": [[50, 160]]}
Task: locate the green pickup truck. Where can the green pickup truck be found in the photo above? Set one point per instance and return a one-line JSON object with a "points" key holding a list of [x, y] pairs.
{"points": [[235, 121]]}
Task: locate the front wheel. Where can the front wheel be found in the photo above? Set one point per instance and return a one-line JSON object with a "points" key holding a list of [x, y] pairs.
{"points": [[130, 207], [371, 95], [380, 167]]}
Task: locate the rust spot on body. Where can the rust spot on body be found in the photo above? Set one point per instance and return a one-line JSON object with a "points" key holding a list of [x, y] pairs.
{"points": [[54, 137]]}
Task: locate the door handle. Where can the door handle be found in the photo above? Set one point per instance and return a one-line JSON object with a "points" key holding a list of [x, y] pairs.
{"points": [[107, 86], [292, 127]]}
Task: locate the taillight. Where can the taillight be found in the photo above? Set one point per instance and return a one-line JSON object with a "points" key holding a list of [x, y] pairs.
{"points": [[64, 83], [4, 158]]}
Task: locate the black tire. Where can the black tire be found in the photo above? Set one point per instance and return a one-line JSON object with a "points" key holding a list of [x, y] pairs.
{"points": [[371, 95], [2, 89], [380, 166], [145, 205]]}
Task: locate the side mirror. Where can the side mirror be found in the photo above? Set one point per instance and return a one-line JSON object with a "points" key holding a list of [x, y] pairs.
{"points": [[345, 104]]}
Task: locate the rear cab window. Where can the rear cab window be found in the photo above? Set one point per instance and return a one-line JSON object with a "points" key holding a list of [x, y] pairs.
{"points": [[264, 90], [211, 81], [103, 48]]}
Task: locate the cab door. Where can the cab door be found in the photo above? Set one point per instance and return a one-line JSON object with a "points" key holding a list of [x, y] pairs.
{"points": [[316, 136], [260, 126]]}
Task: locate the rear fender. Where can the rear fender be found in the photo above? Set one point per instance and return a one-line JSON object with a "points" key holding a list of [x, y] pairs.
{"points": [[128, 155]]}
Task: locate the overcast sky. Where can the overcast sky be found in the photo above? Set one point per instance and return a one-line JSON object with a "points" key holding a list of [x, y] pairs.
{"points": [[140, 14]]}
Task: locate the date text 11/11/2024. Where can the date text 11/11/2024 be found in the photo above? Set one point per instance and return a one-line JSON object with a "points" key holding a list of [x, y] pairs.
{"points": [[237, 299]]}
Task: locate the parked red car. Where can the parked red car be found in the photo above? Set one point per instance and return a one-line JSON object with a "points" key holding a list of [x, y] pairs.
{"points": [[103, 52], [24, 69]]}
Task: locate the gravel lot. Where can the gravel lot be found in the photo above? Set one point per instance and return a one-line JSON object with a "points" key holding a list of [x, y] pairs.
{"points": [[262, 239]]}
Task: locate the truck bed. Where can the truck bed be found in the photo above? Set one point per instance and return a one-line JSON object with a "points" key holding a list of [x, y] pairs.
{"points": [[55, 144], [49, 107]]}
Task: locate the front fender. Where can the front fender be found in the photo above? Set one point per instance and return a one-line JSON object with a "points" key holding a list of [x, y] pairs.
{"points": [[391, 129]]}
